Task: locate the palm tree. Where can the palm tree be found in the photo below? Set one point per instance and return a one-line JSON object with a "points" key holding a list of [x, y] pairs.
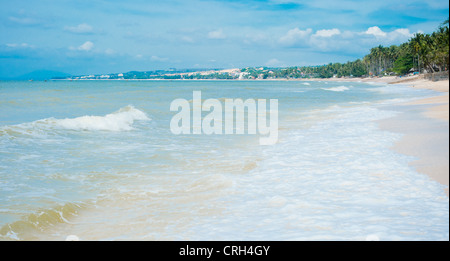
{"points": [[417, 45]]}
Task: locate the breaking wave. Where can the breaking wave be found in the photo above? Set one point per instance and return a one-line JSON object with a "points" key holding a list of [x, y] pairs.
{"points": [[337, 89], [121, 120], [117, 121]]}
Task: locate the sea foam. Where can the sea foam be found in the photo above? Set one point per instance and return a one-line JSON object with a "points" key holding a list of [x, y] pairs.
{"points": [[337, 89], [120, 120]]}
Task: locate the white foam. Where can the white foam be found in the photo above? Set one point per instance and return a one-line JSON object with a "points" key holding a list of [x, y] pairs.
{"points": [[337, 180], [372, 238], [72, 238], [121, 120], [337, 89], [118, 121]]}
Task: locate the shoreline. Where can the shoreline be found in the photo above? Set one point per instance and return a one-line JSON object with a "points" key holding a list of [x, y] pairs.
{"points": [[425, 126], [384, 79]]}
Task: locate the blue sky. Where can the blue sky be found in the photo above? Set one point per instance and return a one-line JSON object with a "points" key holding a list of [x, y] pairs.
{"points": [[94, 37]]}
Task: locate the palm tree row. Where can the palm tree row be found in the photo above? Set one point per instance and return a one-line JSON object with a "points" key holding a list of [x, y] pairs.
{"points": [[381, 59], [423, 52], [432, 50]]}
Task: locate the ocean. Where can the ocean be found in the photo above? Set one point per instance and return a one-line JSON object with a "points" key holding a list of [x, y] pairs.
{"points": [[97, 160]]}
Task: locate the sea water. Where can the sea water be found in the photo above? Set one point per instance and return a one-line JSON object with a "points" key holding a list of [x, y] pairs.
{"points": [[97, 159]]}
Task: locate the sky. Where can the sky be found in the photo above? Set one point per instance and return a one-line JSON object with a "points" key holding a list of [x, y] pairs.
{"points": [[98, 36]]}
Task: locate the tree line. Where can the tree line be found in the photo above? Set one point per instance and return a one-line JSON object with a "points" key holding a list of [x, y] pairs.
{"points": [[423, 52]]}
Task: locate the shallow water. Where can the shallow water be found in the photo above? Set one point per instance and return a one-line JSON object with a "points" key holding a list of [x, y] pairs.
{"points": [[97, 159]]}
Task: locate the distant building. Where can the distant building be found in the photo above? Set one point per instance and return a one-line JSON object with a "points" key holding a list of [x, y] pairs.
{"points": [[242, 75]]}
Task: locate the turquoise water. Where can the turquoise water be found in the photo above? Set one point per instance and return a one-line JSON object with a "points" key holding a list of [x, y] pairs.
{"points": [[97, 159]]}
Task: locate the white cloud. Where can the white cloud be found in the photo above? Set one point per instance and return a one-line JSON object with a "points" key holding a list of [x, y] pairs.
{"points": [[87, 46], [399, 35], [80, 29], [158, 59], [22, 45], [348, 42], [23, 20], [218, 34], [375, 31], [321, 40], [327, 33], [386, 38], [402, 32], [295, 36]]}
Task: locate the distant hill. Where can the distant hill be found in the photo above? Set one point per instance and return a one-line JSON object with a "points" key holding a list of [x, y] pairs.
{"points": [[41, 75]]}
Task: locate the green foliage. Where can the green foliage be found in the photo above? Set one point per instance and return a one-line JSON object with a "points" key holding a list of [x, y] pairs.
{"points": [[403, 64], [422, 51]]}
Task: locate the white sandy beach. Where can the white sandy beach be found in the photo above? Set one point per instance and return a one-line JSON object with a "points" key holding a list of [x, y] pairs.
{"points": [[427, 131]]}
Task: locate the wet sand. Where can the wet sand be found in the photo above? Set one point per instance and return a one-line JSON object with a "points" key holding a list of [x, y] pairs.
{"points": [[425, 125]]}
